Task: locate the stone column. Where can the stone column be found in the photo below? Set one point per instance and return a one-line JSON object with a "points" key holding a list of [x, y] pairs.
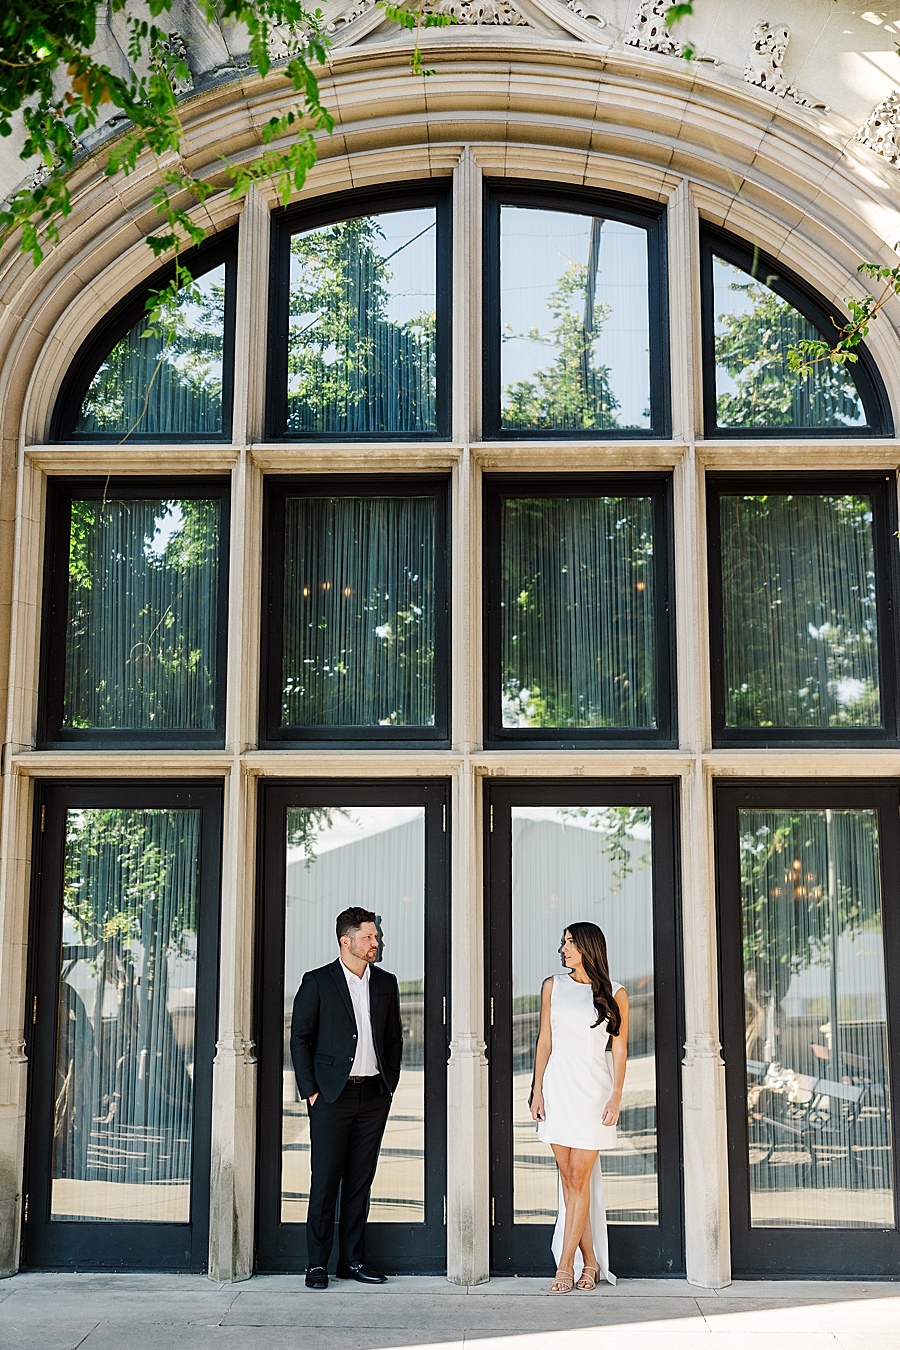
{"points": [[15, 876], [468, 1164], [233, 1161], [468, 1159], [16, 828], [707, 1236]]}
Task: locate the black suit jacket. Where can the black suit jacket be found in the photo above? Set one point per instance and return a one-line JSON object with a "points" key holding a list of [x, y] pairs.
{"points": [[323, 1030]]}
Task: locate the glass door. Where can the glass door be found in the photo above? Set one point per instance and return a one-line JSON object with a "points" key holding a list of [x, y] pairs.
{"points": [[559, 854], [806, 883], [382, 846], [123, 997]]}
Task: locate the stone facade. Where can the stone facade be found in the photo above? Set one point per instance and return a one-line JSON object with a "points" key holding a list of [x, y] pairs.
{"points": [[586, 94]]}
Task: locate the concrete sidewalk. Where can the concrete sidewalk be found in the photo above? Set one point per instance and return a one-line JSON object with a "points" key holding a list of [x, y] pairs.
{"points": [[273, 1312]]}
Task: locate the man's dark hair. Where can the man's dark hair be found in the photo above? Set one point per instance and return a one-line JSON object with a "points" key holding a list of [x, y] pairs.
{"points": [[351, 919]]}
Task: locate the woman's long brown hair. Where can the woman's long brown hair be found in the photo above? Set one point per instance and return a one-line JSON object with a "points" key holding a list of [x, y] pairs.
{"points": [[589, 940]]}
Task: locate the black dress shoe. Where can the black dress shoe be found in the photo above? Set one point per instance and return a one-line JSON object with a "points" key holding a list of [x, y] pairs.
{"points": [[358, 1270], [317, 1277]]}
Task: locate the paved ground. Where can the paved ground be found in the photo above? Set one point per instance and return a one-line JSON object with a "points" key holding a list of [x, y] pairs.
{"points": [[273, 1312]]}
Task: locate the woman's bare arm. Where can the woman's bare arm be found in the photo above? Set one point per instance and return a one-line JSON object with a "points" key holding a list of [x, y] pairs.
{"points": [[542, 1053], [620, 1057]]}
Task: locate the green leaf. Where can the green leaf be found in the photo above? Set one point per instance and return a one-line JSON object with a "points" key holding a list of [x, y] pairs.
{"points": [[406, 18]]}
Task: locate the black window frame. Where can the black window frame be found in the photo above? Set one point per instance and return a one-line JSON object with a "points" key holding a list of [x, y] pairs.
{"points": [[104, 1244], [629, 210], [639, 1250], [818, 311], [882, 487], [331, 210], [659, 486], [274, 736], [399, 1248], [864, 1253], [51, 735], [118, 322]]}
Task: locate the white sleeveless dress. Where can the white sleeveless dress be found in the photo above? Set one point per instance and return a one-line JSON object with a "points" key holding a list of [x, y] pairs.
{"points": [[578, 1082]]}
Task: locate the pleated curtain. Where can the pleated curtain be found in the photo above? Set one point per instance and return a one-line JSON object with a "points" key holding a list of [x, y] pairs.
{"points": [[359, 611], [755, 385], [800, 632], [816, 1032], [125, 1045], [142, 631], [577, 612], [360, 361], [151, 385]]}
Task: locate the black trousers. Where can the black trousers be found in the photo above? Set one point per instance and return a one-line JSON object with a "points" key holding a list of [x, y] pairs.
{"points": [[345, 1137]]}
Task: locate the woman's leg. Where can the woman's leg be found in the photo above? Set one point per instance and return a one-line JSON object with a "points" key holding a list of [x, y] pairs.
{"points": [[587, 1243], [562, 1286], [575, 1168]]}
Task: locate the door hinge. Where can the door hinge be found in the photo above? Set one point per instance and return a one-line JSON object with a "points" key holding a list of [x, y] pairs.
{"points": [[43, 816], [492, 1012], [491, 826], [445, 1010], [445, 817], [493, 1216], [34, 1011]]}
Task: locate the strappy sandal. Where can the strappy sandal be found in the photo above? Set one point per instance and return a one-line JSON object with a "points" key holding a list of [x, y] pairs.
{"points": [[564, 1282], [589, 1277]]}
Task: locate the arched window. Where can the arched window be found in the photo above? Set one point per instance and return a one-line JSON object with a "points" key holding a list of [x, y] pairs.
{"points": [[754, 312], [158, 386], [576, 337], [361, 313]]}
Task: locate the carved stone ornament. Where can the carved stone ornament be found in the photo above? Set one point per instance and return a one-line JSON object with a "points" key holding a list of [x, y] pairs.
{"points": [[175, 48], [285, 41], [493, 12], [583, 10], [881, 132], [43, 172], [349, 15], [764, 65], [649, 31], [479, 12]]}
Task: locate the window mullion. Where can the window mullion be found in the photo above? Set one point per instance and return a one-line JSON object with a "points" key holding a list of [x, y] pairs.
{"points": [[251, 319], [468, 236], [684, 307]]}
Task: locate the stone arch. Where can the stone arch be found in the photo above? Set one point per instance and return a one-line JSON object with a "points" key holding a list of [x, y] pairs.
{"points": [[779, 175]]}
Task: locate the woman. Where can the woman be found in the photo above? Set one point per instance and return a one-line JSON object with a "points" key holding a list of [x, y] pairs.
{"points": [[576, 1097]]}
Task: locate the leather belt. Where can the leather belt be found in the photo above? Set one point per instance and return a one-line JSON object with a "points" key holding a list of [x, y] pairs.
{"points": [[361, 1077]]}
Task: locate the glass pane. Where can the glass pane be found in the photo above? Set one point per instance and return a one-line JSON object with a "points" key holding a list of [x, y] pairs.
{"points": [[127, 998], [361, 342], [578, 645], [818, 1101], [151, 387], [754, 328], [572, 863], [358, 612], [142, 615], [800, 618], [575, 326], [334, 856]]}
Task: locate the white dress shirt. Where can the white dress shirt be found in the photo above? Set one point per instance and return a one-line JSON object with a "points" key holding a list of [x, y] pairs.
{"points": [[365, 1065]]}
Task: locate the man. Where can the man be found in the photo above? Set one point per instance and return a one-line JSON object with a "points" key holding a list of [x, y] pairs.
{"points": [[346, 1046]]}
